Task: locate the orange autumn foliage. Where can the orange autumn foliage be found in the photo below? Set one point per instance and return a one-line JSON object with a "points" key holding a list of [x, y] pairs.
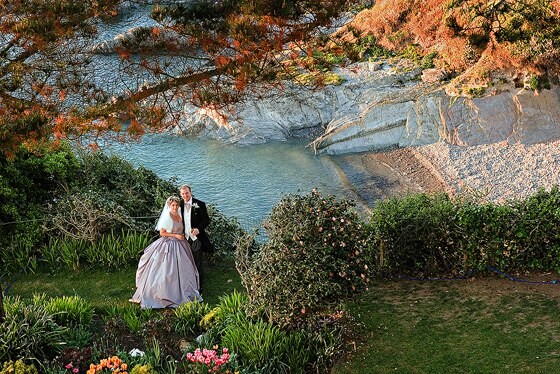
{"points": [[522, 35]]}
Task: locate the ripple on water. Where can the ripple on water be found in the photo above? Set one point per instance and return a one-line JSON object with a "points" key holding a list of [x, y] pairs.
{"points": [[245, 182]]}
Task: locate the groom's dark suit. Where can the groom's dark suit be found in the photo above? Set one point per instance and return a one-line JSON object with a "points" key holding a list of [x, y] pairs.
{"points": [[199, 220]]}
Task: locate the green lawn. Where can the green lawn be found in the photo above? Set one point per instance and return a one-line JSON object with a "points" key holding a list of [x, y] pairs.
{"points": [[109, 288], [482, 326], [486, 325]]}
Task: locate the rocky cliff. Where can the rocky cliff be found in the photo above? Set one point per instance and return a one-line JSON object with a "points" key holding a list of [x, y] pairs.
{"points": [[380, 106]]}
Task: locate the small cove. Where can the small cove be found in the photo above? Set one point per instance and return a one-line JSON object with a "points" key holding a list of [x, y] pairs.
{"points": [[245, 182]]}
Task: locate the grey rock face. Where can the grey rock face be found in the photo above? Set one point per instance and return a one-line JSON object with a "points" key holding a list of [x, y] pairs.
{"points": [[379, 107]]}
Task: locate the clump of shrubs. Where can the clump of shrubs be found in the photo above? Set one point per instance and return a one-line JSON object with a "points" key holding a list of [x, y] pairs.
{"points": [[316, 254], [434, 234]]}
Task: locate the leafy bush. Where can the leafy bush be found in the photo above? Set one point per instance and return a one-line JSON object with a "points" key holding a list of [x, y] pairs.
{"points": [[538, 83], [18, 255], [17, 367], [254, 341], [111, 251], [434, 235], [262, 346], [316, 255], [427, 61], [139, 191], [188, 317], [28, 332], [68, 311], [230, 305], [416, 234], [223, 231], [79, 336], [231, 308], [28, 182]]}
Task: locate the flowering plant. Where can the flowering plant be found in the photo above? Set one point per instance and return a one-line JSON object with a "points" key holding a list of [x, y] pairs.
{"points": [[208, 361], [109, 365], [69, 366]]}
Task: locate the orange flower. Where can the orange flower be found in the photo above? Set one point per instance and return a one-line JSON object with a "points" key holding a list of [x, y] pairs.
{"points": [[124, 366]]}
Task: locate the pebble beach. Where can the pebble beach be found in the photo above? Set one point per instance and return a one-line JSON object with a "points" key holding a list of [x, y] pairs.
{"points": [[494, 172]]}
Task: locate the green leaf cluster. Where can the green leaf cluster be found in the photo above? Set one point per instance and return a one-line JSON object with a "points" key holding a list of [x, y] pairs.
{"points": [[435, 235], [315, 256]]}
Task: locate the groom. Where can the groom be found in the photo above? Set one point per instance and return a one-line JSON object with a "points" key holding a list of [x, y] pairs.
{"points": [[195, 218]]}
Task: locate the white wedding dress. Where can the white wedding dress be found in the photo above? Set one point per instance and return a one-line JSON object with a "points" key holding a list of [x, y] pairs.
{"points": [[167, 275]]}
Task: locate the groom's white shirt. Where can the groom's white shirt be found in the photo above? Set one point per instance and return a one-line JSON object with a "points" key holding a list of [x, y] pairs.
{"points": [[188, 220]]}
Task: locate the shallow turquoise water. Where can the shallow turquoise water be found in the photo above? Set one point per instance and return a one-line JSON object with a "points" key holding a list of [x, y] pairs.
{"points": [[245, 182]]}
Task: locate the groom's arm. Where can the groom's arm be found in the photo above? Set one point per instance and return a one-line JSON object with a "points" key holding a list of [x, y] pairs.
{"points": [[204, 218]]}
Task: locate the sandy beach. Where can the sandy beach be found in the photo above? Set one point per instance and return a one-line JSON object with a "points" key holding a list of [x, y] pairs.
{"points": [[493, 172], [496, 172]]}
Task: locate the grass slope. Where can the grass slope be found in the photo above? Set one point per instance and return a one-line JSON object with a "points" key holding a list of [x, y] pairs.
{"points": [[486, 325], [110, 288], [483, 326]]}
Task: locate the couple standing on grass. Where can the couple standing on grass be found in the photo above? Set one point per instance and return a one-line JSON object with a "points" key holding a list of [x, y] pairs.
{"points": [[170, 272]]}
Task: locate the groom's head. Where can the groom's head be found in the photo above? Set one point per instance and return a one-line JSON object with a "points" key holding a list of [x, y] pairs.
{"points": [[185, 192]]}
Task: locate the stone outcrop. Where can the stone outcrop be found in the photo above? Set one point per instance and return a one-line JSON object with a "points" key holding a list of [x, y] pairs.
{"points": [[379, 106]]}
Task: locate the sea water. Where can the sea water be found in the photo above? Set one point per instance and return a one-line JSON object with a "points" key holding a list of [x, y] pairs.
{"points": [[243, 182]]}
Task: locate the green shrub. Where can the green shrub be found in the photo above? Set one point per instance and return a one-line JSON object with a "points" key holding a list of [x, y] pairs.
{"points": [[142, 369], [223, 231], [531, 238], [263, 347], [116, 250], [78, 336], [315, 255], [416, 234], [68, 310], [188, 317], [231, 308], [28, 332], [232, 304], [427, 61], [256, 343], [434, 235], [476, 91], [539, 82], [28, 183], [111, 251], [132, 321], [139, 191], [63, 253], [17, 367], [17, 256]]}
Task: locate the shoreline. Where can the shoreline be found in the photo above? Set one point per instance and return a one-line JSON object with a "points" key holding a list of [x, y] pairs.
{"points": [[490, 173], [496, 173]]}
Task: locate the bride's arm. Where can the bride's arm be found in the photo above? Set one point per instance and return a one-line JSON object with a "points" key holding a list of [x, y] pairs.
{"points": [[163, 232]]}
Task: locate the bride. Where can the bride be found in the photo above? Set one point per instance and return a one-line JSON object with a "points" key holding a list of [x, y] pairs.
{"points": [[166, 275]]}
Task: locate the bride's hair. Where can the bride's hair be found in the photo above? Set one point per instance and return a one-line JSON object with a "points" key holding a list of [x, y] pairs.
{"points": [[172, 198]]}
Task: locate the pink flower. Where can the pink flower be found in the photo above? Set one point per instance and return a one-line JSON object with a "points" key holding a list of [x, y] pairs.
{"points": [[69, 366], [75, 370]]}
